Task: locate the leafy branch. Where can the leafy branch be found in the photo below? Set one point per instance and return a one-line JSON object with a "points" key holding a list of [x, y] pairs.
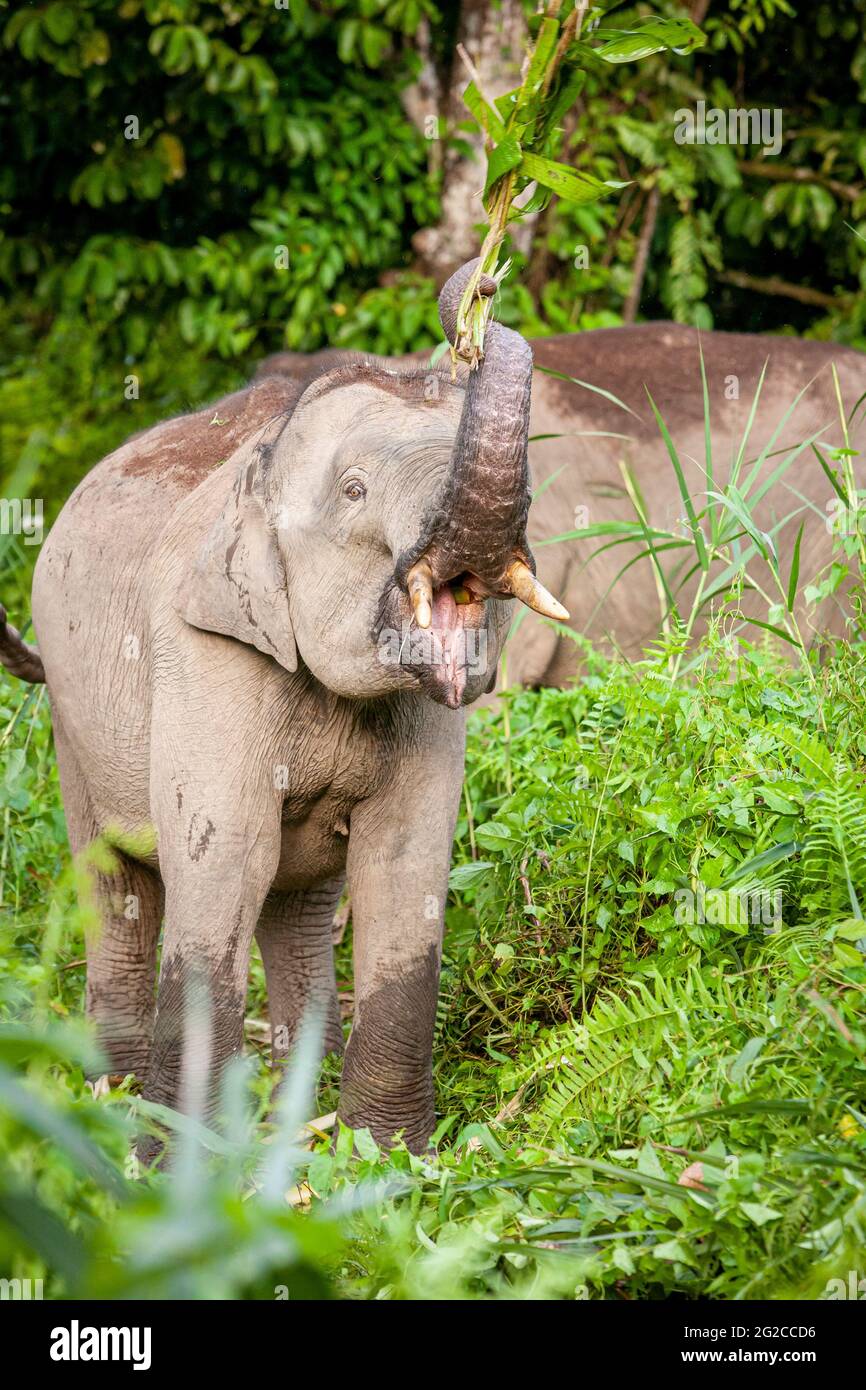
{"points": [[523, 130]]}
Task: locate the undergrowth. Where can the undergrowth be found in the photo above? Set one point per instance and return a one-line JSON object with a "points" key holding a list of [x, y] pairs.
{"points": [[650, 1058], [642, 1091]]}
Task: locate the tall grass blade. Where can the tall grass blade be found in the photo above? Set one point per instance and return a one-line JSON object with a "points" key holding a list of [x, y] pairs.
{"points": [[686, 496]]}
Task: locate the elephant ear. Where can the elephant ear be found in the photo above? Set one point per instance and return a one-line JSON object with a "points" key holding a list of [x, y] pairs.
{"points": [[236, 583]]}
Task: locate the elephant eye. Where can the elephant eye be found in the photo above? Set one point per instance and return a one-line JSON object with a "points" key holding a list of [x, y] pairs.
{"points": [[354, 490]]}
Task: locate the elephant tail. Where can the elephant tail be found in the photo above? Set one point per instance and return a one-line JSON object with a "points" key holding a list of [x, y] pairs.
{"points": [[19, 659]]}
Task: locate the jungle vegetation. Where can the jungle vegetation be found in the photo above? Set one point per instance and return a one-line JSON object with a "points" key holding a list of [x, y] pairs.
{"points": [[641, 1094]]}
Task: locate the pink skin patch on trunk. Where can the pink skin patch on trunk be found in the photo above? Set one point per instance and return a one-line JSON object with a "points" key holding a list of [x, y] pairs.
{"points": [[448, 629]]}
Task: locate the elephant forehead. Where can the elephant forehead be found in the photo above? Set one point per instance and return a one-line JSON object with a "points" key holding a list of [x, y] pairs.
{"points": [[364, 421]]}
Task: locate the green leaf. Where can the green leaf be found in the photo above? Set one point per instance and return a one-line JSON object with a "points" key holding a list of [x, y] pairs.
{"points": [[795, 569], [467, 875], [673, 1250], [744, 1059], [529, 97], [570, 184], [486, 118], [497, 836], [505, 157], [367, 1146], [649, 36], [851, 930], [541, 54], [776, 631], [732, 502], [565, 98], [686, 496], [59, 21], [757, 1212], [782, 805], [762, 861], [588, 386]]}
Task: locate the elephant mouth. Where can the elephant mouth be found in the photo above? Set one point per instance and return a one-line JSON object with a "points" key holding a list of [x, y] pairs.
{"points": [[457, 637], [449, 655]]}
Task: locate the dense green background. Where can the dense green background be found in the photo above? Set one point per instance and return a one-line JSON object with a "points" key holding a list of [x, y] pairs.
{"points": [[262, 128]]}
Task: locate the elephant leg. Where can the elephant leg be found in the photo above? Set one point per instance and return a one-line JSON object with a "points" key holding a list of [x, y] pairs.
{"points": [[216, 882], [202, 993], [399, 852], [217, 814], [294, 935], [121, 950], [121, 964]]}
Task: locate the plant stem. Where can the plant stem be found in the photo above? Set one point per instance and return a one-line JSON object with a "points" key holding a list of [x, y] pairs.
{"points": [[474, 310]]}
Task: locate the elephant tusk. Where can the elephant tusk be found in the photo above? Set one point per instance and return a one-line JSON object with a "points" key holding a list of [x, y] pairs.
{"points": [[524, 585], [419, 582]]}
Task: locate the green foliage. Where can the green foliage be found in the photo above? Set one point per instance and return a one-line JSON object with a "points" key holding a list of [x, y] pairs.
{"points": [[677, 1105], [239, 170], [645, 1090], [76, 1212], [641, 1095], [523, 131], [273, 185], [723, 207]]}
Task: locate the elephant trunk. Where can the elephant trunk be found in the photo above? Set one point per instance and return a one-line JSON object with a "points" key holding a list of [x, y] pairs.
{"points": [[486, 496], [475, 533]]}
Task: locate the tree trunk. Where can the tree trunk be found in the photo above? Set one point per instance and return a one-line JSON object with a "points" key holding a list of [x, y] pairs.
{"points": [[641, 260], [495, 37]]}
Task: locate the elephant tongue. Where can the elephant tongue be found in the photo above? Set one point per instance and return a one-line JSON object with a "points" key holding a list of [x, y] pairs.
{"points": [[449, 645]]}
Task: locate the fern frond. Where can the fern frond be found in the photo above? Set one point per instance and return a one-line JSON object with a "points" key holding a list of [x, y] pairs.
{"points": [[585, 1064], [834, 859], [813, 758]]}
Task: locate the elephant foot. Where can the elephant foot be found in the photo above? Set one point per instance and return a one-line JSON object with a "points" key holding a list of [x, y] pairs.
{"points": [[386, 1109], [386, 1125], [122, 1057]]}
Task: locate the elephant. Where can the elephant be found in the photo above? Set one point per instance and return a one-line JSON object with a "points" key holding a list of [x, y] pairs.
{"points": [[591, 414], [260, 626]]}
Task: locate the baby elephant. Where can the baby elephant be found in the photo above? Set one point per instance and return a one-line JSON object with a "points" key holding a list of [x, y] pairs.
{"points": [[259, 626]]}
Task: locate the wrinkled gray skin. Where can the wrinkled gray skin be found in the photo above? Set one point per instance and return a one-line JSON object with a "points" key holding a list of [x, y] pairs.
{"points": [[585, 465], [231, 658], [267, 783]]}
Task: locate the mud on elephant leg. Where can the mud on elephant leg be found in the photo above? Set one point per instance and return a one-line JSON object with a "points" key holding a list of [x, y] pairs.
{"points": [[295, 938], [121, 950], [121, 964], [387, 1081], [197, 974], [398, 861], [212, 907]]}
